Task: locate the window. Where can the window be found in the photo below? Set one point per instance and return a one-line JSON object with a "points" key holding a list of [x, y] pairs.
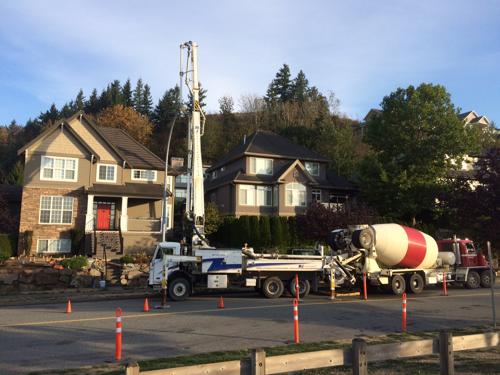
{"points": [[316, 195], [180, 193], [56, 210], [106, 173], [264, 196], [247, 195], [181, 179], [295, 194], [337, 202], [261, 166], [58, 169], [143, 175], [54, 246], [312, 168]]}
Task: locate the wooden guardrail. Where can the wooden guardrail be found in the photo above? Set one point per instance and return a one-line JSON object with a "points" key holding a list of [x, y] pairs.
{"points": [[357, 356]]}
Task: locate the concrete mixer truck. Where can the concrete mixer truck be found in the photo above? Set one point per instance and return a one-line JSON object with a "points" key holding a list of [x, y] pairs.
{"points": [[398, 259]]}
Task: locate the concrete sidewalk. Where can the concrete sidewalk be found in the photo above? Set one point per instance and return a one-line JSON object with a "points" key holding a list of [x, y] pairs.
{"points": [[76, 295]]}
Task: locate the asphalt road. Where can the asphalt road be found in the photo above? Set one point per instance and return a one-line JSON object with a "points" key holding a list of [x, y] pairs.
{"points": [[43, 337]]}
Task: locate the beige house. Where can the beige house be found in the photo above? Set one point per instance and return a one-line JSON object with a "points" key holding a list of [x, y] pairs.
{"points": [[267, 174], [99, 181]]}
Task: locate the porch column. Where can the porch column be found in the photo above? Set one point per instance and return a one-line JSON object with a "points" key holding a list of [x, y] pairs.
{"points": [[89, 216], [124, 215]]}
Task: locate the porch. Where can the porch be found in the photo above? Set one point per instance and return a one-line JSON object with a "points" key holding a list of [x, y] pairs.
{"points": [[124, 218]]}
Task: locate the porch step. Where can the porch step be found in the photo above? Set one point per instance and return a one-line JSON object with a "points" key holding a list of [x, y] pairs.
{"points": [[109, 239]]}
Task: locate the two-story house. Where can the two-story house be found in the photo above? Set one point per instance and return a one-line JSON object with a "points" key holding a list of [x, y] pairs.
{"points": [[267, 174], [80, 177]]}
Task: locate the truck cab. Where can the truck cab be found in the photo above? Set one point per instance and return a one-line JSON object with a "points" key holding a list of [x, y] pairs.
{"points": [[465, 252], [156, 264]]}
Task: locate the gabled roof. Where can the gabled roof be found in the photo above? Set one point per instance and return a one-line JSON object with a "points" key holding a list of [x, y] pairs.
{"points": [[462, 116], [63, 124], [127, 148], [268, 144], [294, 164]]}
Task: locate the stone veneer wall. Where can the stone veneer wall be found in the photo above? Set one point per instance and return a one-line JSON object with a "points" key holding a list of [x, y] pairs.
{"points": [[30, 214]]}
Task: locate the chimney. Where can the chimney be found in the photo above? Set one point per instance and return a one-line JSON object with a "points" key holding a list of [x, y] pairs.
{"points": [[176, 162]]}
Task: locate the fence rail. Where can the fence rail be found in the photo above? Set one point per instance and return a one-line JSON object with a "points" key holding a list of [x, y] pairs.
{"points": [[357, 356]]}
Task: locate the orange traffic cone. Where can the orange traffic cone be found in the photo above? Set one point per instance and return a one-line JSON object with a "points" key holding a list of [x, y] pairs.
{"points": [[220, 305], [146, 305], [68, 307]]}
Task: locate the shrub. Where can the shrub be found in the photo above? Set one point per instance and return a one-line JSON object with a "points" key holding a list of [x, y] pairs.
{"points": [[141, 258], [265, 231], [128, 258], [7, 246], [76, 235], [254, 239], [244, 230], [75, 263], [276, 231], [28, 241], [285, 232]]}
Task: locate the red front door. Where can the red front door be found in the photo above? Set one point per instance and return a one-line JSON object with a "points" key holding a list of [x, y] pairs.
{"points": [[103, 216]]}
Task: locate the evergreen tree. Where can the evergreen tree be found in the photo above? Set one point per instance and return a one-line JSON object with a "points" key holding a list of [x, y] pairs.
{"points": [[276, 232], [80, 101], [49, 117], [105, 99], [244, 230], [92, 104], [147, 101], [285, 232], [202, 95], [280, 89], [265, 231], [300, 87], [168, 106], [115, 92], [138, 95], [127, 94], [254, 232]]}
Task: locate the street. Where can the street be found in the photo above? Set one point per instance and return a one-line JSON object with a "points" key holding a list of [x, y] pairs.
{"points": [[43, 337]]}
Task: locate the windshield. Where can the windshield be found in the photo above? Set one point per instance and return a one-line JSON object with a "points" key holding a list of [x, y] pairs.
{"points": [[470, 247], [166, 251]]}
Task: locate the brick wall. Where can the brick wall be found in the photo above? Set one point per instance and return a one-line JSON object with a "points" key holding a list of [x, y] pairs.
{"points": [[30, 214]]}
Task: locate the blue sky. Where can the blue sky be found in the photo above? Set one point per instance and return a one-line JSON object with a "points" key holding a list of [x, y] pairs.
{"points": [[361, 50]]}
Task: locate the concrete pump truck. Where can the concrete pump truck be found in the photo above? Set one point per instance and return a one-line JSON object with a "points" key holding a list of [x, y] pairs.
{"points": [[181, 267]]}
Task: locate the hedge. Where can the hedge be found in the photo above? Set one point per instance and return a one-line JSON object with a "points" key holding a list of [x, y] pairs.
{"points": [[8, 245]]}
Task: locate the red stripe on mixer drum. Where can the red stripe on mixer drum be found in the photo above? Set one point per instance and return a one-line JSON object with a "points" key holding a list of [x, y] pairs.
{"points": [[416, 250]]}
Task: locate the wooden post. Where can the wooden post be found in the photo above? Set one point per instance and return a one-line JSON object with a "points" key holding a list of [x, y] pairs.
{"points": [[132, 369], [258, 362], [359, 360], [446, 360]]}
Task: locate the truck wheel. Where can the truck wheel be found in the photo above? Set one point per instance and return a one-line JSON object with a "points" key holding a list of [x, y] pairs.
{"points": [[304, 287], [398, 285], [416, 283], [473, 280], [178, 289], [272, 287], [486, 280]]}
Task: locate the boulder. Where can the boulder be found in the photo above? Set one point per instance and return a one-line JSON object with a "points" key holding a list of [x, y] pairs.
{"points": [[47, 277], [8, 278], [134, 274], [95, 273]]}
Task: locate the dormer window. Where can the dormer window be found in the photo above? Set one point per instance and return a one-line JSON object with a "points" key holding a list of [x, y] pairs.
{"points": [[312, 168], [261, 166], [106, 173]]}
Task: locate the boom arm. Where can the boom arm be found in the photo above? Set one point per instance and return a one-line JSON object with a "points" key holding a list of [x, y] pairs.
{"points": [[195, 202]]}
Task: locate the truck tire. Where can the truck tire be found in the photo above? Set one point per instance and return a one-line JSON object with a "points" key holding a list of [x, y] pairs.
{"points": [[416, 283], [273, 287], [473, 280], [398, 285], [178, 289], [486, 280], [304, 287]]}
